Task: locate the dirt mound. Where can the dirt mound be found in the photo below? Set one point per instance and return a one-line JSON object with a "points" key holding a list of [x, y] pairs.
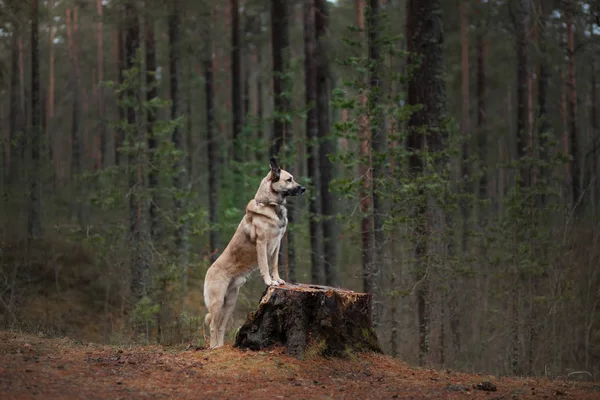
{"points": [[37, 367]]}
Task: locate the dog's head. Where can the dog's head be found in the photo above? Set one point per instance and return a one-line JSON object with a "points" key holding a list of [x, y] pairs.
{"points": [[283, 182]]}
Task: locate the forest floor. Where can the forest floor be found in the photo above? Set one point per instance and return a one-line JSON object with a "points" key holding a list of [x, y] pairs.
{"points": [[61, 368]]}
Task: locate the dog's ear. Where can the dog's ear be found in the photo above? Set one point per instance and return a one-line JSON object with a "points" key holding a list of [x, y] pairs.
{"points": [[275, 170]]}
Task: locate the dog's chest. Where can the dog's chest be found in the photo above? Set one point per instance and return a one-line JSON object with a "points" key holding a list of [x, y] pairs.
{"points": [[281, 213], [273, 244]]}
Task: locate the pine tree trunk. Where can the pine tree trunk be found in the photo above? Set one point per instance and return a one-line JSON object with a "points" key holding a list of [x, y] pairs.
{"points": [[84, 139], [312, 148], [572, 105], [212, 149], [236, 84], [465, 123], [524, 148], [75, 136], [179, 176], [523, 128], [138, 266], [280, 49], [565, 136], [378, 151], [481, 112], [281, 130], [544, 123], [364, 171], [426, 87], [34, 226], [50, 106], [151, 87], [100, 89], [595, 124], [327, 146], [15, 117], [121, 66]]}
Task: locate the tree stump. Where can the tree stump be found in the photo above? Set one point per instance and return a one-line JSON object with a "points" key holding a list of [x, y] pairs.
{"points": [[310, 319]]}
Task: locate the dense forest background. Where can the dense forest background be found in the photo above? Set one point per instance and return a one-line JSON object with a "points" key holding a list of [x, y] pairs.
{"points": [[449, 148]]}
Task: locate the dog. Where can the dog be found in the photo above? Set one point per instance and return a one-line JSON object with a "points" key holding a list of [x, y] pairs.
{"points": [[256, 243]]}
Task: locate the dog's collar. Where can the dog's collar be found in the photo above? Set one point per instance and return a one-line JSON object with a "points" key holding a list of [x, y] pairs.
{"points": [[269, 202]]}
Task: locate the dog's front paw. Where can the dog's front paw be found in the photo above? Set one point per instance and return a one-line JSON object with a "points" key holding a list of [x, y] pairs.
{"points": [[279, 281], [269, 281], [274, 283]]}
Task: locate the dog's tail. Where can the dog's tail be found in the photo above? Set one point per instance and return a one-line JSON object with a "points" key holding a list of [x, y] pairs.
{"points": [[207, 303]]}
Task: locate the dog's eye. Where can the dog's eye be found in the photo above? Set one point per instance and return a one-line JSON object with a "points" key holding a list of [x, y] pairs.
{"points": [[289, 179]]}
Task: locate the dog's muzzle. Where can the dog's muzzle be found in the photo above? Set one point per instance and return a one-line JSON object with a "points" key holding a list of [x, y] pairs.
{"points": [[297, 191]]}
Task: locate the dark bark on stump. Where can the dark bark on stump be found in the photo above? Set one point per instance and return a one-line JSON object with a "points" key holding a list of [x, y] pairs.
{"points": [[311, 319]]}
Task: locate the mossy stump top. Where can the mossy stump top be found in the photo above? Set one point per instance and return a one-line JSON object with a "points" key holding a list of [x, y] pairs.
{"points": [[310, 319]]}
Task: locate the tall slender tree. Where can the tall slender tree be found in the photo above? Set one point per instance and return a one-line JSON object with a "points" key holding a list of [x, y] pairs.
{"points": [[523, 142], [139, 264], [100, 89], [211, 147], [50, 106], [312, 127], [326, 145], [481, 48], [76, 158], [280, 52], [544, 123], [15, 120], [282, 132], [523, 129], [34, 227], [177, 136], [572, 103], [364, 171], [426, 88], [151, 119], [236, 80], [378, 146], [465, 121]]}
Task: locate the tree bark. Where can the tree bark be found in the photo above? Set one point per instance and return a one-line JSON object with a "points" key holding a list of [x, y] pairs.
{"points": [[465, 122], [481, 45], [34, 225], [151, 87], [15, 117], [327, 146], [311, 320], [565, 136], [282, 131], [364, 171], [544, 123], [179, 175], [121, 66], [139, 265], [280, 49], [50, 106], [426, 87], [572, 105], [312, 148], [523, 128], [236, 78], [595, 124], [100, 89], [212, 149], [75, 136], [378, 151]]}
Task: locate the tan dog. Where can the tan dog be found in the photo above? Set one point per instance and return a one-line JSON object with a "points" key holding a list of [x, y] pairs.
{"points": [[255, 243]]}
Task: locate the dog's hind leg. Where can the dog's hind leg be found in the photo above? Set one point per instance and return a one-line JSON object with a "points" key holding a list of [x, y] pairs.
{"points": [[228, 307], [215, 309]]}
